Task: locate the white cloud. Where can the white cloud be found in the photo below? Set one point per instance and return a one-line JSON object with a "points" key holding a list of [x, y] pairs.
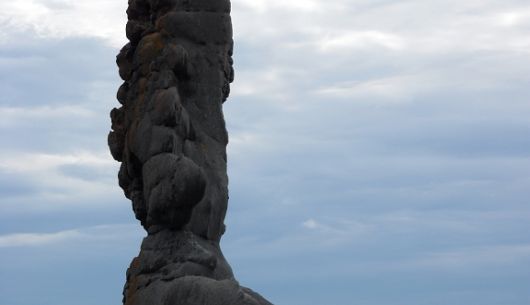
{"points": [[31, 163], [101, 233], [65, 18], [514, 18], [264, 6], [268, 83], [377, 53], [390, 88], [357, 40], [55, 187], [311, 224], [12, 115], [37, 239]]}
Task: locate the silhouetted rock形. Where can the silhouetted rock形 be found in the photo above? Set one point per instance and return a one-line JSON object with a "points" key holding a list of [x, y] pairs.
{"points": [[169, 135]]}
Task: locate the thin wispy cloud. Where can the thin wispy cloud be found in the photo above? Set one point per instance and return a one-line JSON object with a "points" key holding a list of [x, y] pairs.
{"points": [[100, 233], [36, 239]]}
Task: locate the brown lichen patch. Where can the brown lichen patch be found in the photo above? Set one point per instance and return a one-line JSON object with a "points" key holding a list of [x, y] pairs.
{"points": [[142, 88], [132, 282], [149, 47]]}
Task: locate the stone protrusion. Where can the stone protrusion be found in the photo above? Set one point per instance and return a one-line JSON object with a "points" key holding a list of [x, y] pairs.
{"points": [[171, 138], [172, 187]]}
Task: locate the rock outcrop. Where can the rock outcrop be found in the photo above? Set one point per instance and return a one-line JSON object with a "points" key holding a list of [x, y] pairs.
{"points": [[170, 137]]}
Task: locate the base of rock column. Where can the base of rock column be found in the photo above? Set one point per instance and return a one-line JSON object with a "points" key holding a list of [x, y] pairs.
{"points": [[180, 268]]}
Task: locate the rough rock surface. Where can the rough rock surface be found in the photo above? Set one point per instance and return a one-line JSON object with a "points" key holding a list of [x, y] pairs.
{"points": [[170, 137]]}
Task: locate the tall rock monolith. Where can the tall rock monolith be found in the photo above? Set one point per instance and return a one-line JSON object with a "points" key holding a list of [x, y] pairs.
{"points": [[170, 137]]}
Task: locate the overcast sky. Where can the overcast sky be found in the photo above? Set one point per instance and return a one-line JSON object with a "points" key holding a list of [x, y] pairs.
{"points": [[379, 152]]}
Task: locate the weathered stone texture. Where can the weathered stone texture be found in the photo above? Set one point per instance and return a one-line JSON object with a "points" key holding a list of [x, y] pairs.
{"points": [[170, 137]]}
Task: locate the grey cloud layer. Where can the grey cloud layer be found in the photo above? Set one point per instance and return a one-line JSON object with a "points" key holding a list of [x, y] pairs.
{"points": [[375, 146]]}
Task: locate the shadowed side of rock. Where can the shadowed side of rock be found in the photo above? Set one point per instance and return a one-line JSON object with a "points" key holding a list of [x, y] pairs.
{"points": [[170, 137]]}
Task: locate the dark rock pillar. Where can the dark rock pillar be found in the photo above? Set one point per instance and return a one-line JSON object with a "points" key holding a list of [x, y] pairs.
{"points": [[170, 138]]}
